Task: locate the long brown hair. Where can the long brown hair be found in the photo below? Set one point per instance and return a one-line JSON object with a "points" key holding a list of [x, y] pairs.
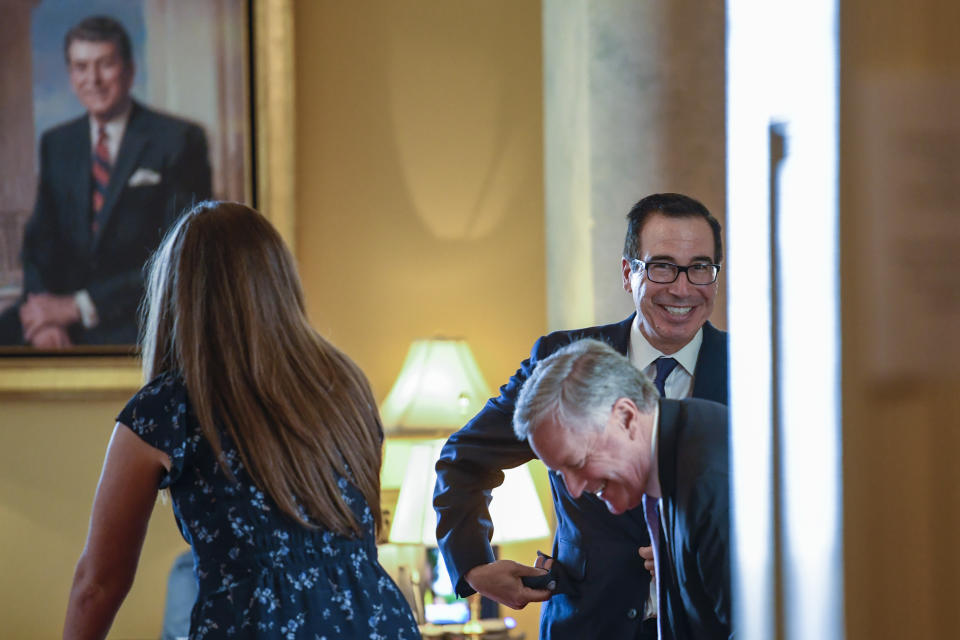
{"points": [[224, 308]]}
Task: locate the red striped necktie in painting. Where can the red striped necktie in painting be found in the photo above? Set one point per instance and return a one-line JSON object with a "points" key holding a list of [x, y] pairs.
{"points": [[101, 173]]}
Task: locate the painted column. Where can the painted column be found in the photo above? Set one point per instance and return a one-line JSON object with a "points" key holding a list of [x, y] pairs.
{"points": [[17, 146], [633, 104]]}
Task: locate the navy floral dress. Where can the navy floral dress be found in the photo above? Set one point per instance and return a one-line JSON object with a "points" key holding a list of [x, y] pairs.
{"points": [[260, 573]]}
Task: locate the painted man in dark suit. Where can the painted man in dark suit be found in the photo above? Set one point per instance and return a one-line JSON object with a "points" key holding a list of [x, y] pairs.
{"points": [[601, 424], [670, 263], [110, 183]]}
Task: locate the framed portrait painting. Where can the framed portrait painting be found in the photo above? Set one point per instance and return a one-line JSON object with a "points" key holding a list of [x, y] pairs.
{"points": [[117, 116]]}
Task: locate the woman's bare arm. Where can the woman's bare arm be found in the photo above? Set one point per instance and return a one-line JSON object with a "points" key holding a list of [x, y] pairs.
{"points": [[122, 506]]}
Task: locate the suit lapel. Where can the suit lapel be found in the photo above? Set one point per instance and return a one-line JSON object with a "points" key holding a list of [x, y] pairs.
{"points": [[667, 445], [134, 141], [710, 377], [619, 334], [667, 432], [77, 156]]}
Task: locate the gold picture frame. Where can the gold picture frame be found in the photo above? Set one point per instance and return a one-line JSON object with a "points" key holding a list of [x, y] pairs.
{"points": [[273, 152]]}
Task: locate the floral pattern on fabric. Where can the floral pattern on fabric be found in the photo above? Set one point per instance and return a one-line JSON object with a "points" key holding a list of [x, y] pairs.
{"points": [[260, 573]]}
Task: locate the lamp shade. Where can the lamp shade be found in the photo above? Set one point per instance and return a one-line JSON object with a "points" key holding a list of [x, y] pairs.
{"points": [[439, 388], [515, 507]]}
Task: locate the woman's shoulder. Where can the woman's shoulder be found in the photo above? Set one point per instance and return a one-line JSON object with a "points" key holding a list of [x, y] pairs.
{"points": [[159, 414], [165, 395], [166, 385]]}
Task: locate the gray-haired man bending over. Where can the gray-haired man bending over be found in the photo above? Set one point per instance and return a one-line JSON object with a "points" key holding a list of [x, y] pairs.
{"points": [[591, 416]]}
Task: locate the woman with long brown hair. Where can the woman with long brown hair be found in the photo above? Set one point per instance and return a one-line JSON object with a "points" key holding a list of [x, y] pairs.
{"points": [[268, 439]]}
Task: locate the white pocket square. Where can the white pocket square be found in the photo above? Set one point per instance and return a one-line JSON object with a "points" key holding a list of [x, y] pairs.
{"points": [[143, 177]]}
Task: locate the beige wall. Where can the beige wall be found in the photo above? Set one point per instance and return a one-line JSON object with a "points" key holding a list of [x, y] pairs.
{"points": [[419, 177], [420, 183], [901, 412], [50, 456]]}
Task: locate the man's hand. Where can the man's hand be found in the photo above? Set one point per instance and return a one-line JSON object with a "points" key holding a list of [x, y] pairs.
{"points": [[647, 554], [500, 581], [50, 337], [47, 310]]}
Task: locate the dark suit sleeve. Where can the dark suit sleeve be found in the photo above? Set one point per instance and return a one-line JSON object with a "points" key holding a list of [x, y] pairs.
{"points": [[187, 178], [41, 232], [471, 464]]}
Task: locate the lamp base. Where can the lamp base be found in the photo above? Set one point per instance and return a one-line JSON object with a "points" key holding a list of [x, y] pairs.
{"points": [[473, 627]]}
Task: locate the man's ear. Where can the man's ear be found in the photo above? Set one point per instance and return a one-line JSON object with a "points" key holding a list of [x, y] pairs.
{"points": [[627, 416], [626, 271]]}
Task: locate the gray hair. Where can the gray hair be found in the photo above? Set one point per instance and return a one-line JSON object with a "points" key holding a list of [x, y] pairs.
{"points": [[577, 387]]}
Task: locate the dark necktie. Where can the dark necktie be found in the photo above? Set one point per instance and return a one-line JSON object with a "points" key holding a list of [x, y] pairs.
{"points": [[651, 512], [101, 174], [664, 367]]}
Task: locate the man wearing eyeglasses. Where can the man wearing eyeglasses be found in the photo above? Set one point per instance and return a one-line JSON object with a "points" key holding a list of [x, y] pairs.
{"points": [[671, 260]]}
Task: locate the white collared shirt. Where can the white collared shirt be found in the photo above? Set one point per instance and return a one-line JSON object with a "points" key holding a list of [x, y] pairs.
{"points": [[679, 384], [115, 129]]}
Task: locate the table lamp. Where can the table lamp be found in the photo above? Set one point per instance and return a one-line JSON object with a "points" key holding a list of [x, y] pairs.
{"points": [[438, 390], [515, 508]]}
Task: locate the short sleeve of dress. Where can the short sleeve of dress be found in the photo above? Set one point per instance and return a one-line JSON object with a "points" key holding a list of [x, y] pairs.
{"points": [[158, 414]]}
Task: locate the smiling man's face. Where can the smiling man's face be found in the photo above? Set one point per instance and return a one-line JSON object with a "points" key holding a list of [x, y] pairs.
{"points": [[100, 77], [613, 464], [669, 315]]}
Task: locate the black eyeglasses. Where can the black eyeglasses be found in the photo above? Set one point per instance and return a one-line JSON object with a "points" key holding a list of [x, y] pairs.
{"points": [[667, 272]]}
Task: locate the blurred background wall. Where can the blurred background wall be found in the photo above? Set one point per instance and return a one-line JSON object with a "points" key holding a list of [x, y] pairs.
{"points": [[900, 232]]}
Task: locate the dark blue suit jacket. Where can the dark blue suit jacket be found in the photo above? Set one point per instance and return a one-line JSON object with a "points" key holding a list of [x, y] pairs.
{"points": [[694, 561], [598, 549], [61, 253]]}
